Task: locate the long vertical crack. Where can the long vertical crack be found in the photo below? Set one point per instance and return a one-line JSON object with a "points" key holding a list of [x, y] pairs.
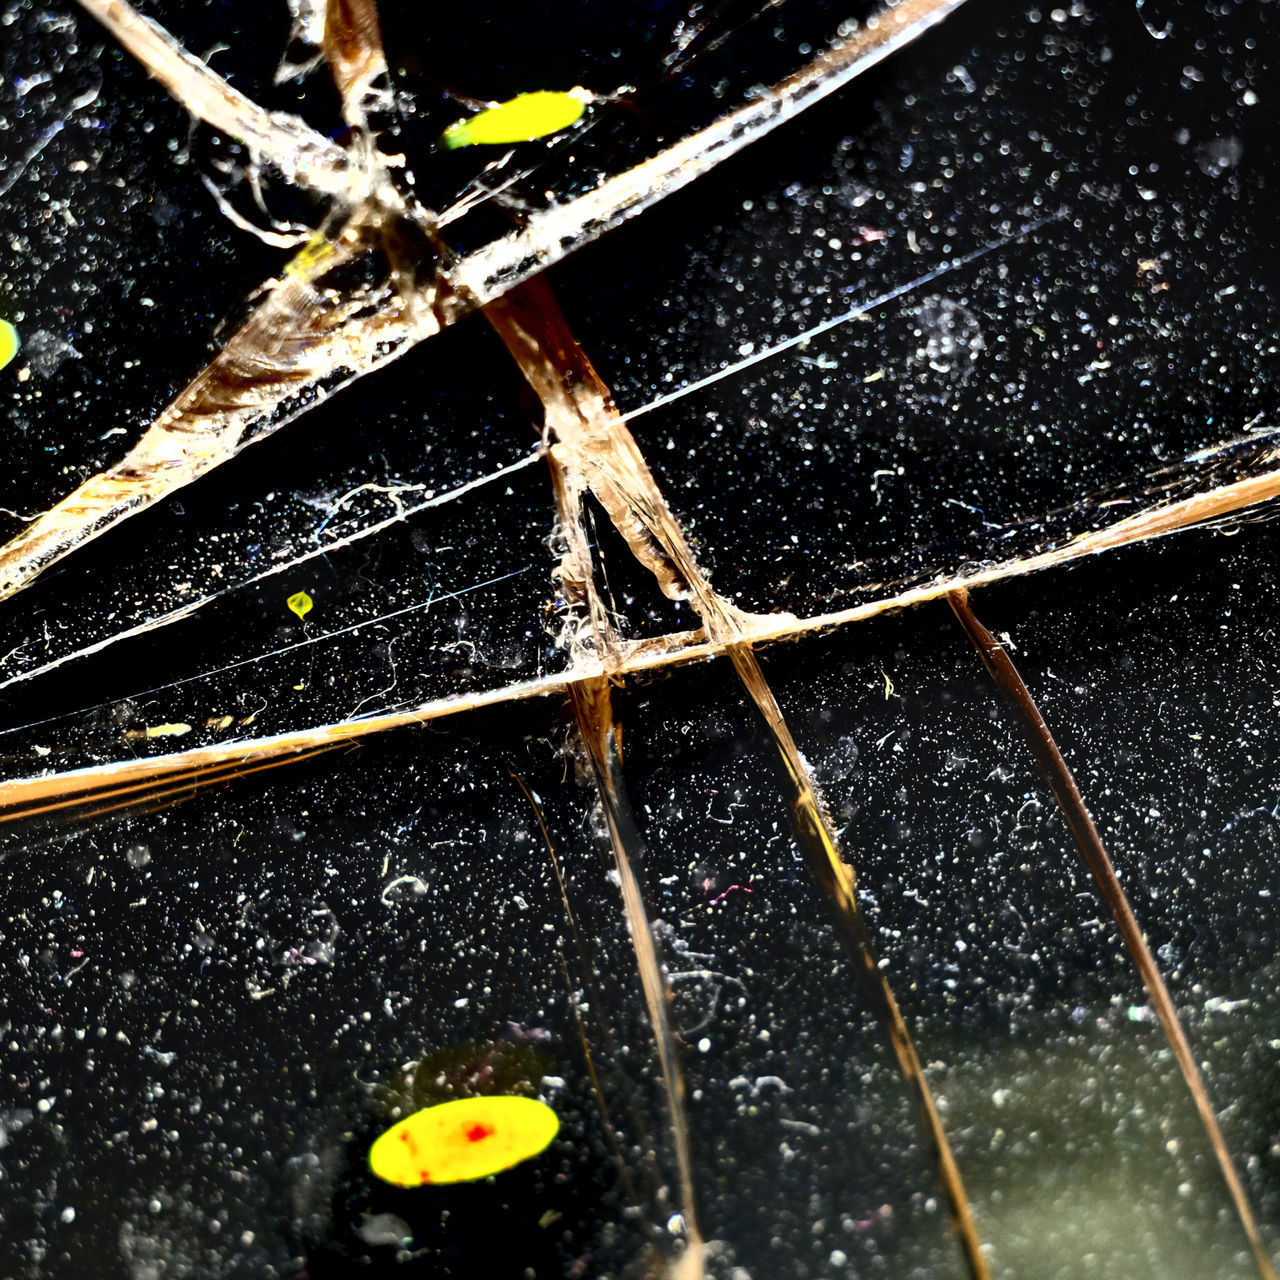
{"points": [[520, 321], [1063, 785], [601, 734], [827, 865], [595, 999], [591, 450]]}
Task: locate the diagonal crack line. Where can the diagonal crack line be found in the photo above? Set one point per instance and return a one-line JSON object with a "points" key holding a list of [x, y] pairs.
{"points": [[664, 652], [187, 610], [845, 317], [434, 598]]}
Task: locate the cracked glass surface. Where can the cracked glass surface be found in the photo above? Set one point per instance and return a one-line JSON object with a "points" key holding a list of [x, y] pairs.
{"points": [[1057, 223]]}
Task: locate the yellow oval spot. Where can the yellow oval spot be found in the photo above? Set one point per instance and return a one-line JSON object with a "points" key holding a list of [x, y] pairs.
{"points": [[300, 603], [9, 342], [523, 118], [463, 1140]]}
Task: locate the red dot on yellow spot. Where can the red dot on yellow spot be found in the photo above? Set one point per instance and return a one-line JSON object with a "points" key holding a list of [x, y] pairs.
{"points": [[463, 1140]]}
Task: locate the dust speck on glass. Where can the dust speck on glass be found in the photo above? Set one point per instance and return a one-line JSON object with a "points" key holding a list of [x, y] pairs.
{"points": [[332, 791]]}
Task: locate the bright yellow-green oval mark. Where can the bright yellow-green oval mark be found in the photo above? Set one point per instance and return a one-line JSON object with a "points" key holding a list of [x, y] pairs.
{"points": [[463, 1140], [300, 603], [523, 118], [9, 342]]}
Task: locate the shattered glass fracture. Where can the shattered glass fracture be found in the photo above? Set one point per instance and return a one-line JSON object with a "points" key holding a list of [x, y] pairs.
{"points": [[563, 701]]}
